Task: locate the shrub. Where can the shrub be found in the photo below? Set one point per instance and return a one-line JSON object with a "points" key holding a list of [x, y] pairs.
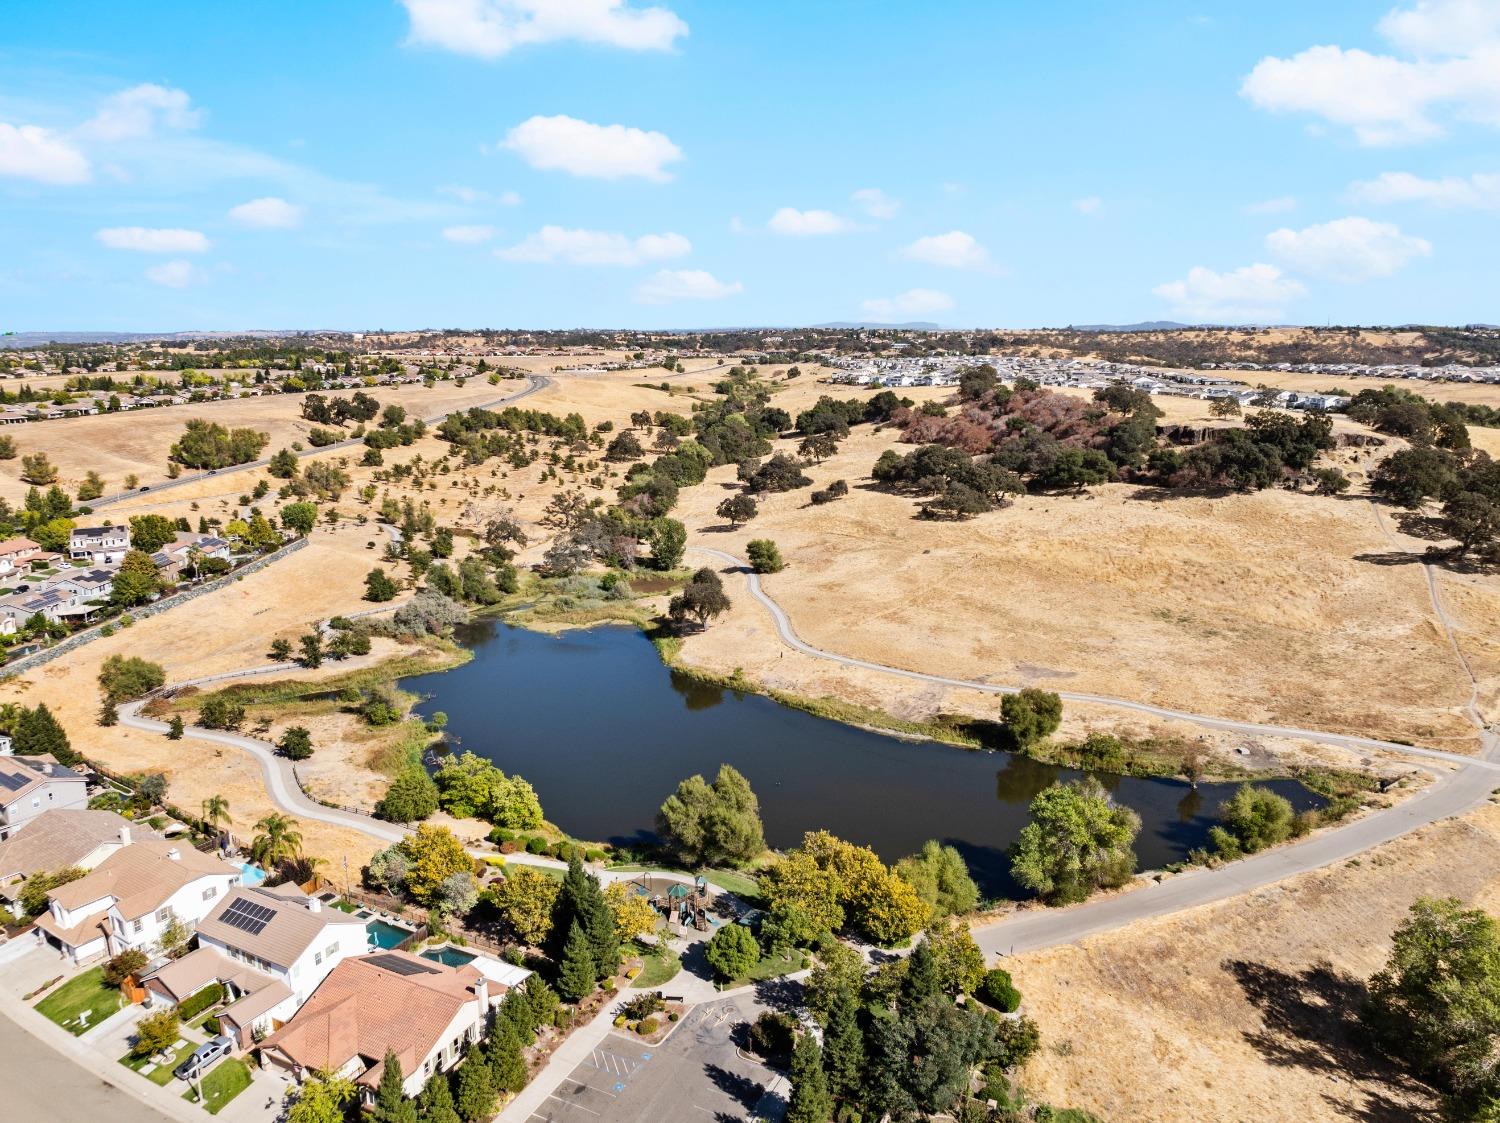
{"points": [[131, 961], [155, 1033], [536, 844], [501, 834], [190, 1007], [646, 1027], [773, 1034], [998, 991], [764, 556]]}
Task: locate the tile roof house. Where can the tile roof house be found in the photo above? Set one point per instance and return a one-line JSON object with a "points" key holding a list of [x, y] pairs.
{"points": [[131, 897], [270, 948], [63, 839], [424, 1011], [102, 545], [30, 786], [16, 553]]}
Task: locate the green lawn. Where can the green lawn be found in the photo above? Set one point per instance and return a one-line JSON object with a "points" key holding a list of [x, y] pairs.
{"points": [[162, 1074], [771, 967], [222, 1084], [657, 966], [88, 992], [344, 906]]}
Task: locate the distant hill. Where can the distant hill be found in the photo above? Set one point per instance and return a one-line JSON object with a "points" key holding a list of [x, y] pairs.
{"points": [[1149, 325], [37, 338], [913, 325]]}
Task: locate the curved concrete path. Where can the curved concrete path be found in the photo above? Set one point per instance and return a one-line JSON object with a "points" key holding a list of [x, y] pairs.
{"points": [[534, 383], [1453, 792]]}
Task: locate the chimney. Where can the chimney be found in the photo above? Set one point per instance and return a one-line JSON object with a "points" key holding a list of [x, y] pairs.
{"points": [[314, 905], [174, 854], [482, 997], [125, 835]]}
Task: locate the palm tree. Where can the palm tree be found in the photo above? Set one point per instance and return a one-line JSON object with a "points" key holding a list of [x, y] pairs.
{"points": [[215, 811], [278, 841]]}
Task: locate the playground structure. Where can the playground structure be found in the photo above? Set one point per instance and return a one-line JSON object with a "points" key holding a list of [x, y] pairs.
{"points": [[682, 905]]}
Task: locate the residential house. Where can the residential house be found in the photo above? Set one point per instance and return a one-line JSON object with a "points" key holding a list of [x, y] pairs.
{"points": [[270, 948], [71, 838], [31, 786], [88, 586], [130, 898], [16, 555], [102, 545], [424, 1011], [177, 556], [54, 602]]}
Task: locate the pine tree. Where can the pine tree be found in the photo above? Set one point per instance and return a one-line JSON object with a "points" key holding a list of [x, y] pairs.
{"points": [[811, 1102], [516, 1012], [476, 1090], [436, 1102], [38, 732], [174, 728], [604, 937], [570, 904], [921, 980], [107, 714], [576, 979], [391, 1104], [843, 1045], [507, 1066]]}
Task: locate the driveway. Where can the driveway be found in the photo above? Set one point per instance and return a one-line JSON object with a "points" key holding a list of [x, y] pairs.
{"points": [[697, 1073]]}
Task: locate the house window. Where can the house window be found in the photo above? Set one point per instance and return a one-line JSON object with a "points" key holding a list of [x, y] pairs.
{"points": [[135, 926], [332, 950], [317, 958], [211, 892]]}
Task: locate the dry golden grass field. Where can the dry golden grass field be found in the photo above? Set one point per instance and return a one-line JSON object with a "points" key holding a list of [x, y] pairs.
{"points": [[1243, 1011]]}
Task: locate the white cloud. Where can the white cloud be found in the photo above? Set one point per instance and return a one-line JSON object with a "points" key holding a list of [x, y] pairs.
{"points": [[1480, 191], [473, 195], [912, 302], [143, 239], [553, 244], [807, 224], [1089, 204], [876, 203], [32, 152], [468, 235], [1279, 205], [1348, 249], [491, 28], [176, 274], [1452, 60], [580, 148], [1253, 292], [138, 112], [270, 213], [670, 285], [953, 250]]}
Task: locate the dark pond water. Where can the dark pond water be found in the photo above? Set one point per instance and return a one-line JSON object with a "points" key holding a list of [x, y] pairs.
{"points": [[605, 732]]}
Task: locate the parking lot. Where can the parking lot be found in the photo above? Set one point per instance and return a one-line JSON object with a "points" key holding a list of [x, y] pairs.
{"points": [[697, 1073]]}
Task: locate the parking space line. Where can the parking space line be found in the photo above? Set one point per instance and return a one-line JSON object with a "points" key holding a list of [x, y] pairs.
{"points": [[570, 1103], [590, 1087]]}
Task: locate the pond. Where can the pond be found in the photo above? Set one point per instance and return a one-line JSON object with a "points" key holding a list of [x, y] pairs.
{"points": [[605, 732]]}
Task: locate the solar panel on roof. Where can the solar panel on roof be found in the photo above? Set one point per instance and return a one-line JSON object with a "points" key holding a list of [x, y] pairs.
{"points": [[247, 916], [396, 965], [13, 781]]}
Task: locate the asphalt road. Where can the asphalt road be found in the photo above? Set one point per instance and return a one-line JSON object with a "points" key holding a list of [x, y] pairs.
{"points": [[534, 383]]}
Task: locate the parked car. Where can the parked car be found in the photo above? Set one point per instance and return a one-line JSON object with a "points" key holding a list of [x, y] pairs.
{"points": [[202, 1058]]}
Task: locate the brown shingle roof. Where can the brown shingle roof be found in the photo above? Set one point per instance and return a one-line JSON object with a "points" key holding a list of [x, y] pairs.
{"points": [[364, 1008], [63, 838], [140, 877], [289, 932]]}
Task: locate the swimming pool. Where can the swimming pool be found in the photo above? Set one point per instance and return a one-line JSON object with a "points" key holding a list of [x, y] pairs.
{"points": [[384, 935], [251, 876], [450, 956]]}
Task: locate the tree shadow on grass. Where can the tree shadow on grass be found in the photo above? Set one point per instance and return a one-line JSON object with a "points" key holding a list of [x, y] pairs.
{"points": [[1311, 1022]]}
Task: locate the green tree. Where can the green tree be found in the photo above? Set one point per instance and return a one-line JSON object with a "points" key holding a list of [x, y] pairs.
{"points": [[476, 1089], [136, 581], [149, 533], [1473, 520], [37, 469], [220, 711], [391, 1104], [732, 952], [433, 855], [1078, 840], [175, 728], [410, 798], [811, 1101], [322, 1098], [1250, 820], [700, 600], [311, 646], [91, 488], [738, 508], [507, 1065], [764, 556], [296, 743], [1436, 1002], [281, 649], [124, 677], [277, 840], [844, 1044], [36, 732], [435, 1105], [719, 822], [576, 978], [379, 587], [668, 539], [156, 1033], [525, 900], [283, 465], [1031, 715], [131, 961], [941, 878], [300, 517], [207, 444]]}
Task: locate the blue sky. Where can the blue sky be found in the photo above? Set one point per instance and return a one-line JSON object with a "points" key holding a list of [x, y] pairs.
{"points": [[558, 163]]}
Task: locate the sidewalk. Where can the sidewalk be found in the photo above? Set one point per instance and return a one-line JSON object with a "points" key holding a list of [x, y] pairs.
{"points": [[570, 1054]]}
